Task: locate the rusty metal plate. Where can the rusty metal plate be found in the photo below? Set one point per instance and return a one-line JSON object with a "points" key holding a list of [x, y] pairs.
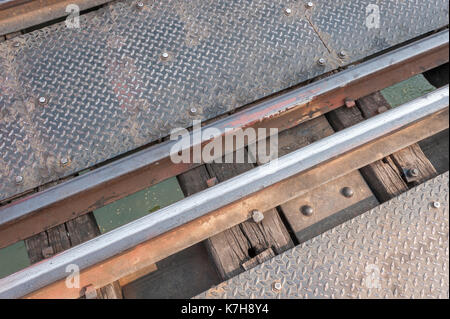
{"points": [[109, 87], [399, 249], [330, 206]]}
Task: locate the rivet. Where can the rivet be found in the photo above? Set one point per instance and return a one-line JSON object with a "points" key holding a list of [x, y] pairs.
{"points": [[436, 204], [193, 111], [347, 192], [140, 4], [321, 61], [64, 161], [42, 100], [307, 210], [276, 286], [310, 4], [287, 11], [342, 54], [164, 56], [257, 216], [19, 179], [413, 172]]}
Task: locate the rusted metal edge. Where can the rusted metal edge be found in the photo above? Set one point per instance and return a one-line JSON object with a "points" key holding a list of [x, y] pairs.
{"points": [[16, 16], [37, 212], [226, 194], [156, 249]]}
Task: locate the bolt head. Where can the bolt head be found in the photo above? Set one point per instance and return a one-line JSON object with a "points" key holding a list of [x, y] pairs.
{"points": [[413, 172], [342, 54], [321, 61], [19, 179], [140, 4], [164, 55], [257, 216], [42, 100], [287, 11], [276, 286], [347, 192], [309, 4], [193, 111], [64, 161], [436, 204], [306, 210]]}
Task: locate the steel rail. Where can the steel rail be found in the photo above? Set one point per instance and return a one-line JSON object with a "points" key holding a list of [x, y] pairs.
{"points": [[225, 193], [143, 169]]}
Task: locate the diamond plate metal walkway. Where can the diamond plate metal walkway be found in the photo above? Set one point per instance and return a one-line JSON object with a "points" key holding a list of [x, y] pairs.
{"points": [[72, 98], [398, 250]]}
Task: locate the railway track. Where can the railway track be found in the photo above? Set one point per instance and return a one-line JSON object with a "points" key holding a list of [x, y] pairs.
{"points": [[345, 154]]}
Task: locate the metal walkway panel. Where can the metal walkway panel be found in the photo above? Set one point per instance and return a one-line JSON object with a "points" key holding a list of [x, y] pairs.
{"points": [[130, 75], [398, 250]]}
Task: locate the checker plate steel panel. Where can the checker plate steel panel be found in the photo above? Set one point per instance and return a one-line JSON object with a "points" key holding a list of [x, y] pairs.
{"points": [[399, 249], [108, 90]]}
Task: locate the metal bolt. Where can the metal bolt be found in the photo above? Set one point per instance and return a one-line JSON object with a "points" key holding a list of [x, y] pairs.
{"points": [[19, 179], [436, 204], [42, 100], [307, 210], [310, 4], [64, 161], [276, 286], [165, 56], [140, 4], [349, 103], [287, 11], [347, 192], [342, 54], [413, 172], [257, 216], [193, 111], [321, 61]]}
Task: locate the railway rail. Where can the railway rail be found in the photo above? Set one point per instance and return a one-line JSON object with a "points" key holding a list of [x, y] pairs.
{"points": [[343, 151]]}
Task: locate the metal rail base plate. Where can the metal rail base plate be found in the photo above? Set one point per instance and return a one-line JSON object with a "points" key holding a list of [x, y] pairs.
{"points": [[398, 250], [74, 97]]}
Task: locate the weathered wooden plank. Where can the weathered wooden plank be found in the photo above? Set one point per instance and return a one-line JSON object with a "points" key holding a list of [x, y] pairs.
{"points": [[387, 177], [111, 291], [383, 177], [412, 157], [82, 229], [62, 237], [235, 246], [259, 259]]}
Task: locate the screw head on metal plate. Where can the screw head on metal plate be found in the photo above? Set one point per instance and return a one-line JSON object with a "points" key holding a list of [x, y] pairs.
{"points": [[307, 210]]}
